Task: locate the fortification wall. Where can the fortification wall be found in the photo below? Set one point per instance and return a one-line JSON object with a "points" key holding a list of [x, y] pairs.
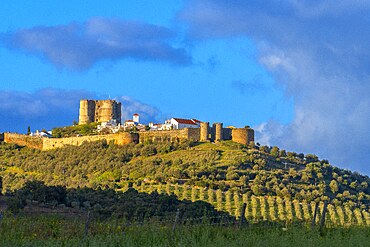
{"points": [[243, 135], [193, 134], [24, 140], [239, 135], [119, 139], [169, 135], [226, 133]]}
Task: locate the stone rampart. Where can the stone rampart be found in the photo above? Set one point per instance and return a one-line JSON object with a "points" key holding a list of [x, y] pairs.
{"points": [[193, 134], [119, 139], [24, 140], [226, 133], [239, 135], [169, 135]]}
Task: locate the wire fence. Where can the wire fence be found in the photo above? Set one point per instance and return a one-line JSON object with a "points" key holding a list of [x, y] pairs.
{"points": [[90, 222], [323, 216]]}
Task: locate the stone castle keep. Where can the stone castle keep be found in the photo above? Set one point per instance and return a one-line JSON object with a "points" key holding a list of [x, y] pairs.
{"points": [[106, 110], [99, 111]]}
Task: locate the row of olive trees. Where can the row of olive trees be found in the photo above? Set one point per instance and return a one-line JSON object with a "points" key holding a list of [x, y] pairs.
{"points": [[264, 208]]}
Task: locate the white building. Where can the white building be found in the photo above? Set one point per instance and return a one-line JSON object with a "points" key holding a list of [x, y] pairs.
{"points": [[155, 126], [135, 118], [42, 134], [110, 125], [180, 123], [129, 123]]}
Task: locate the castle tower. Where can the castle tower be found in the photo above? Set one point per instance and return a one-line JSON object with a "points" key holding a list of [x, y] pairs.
{"points": [[243, 135], [218, 131], [204, 131], [99, 111], [87, 111], [106, 110]]}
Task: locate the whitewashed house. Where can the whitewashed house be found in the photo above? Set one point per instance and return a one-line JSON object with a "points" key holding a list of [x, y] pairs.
{"points": [[155, 126], [42, 133], [180, 123], [110, 125]]}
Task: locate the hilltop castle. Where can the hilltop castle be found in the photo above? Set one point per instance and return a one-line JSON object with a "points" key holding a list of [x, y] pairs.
{"points": [[102, 111]]}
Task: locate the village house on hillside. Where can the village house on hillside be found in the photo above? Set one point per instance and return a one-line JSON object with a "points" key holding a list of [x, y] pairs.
{"points": [[41, 133], [180, 123]]}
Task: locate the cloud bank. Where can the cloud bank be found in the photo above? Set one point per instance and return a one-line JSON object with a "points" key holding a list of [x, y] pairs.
{"points": [[146, 112], [319, 52], [49, 107], [79, 46]]}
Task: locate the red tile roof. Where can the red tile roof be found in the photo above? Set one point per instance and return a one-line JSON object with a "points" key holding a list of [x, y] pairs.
{"points": [[185, 121]]}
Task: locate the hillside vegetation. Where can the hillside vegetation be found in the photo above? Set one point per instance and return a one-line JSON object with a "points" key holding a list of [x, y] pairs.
{"points": [[75, 130], [274, 183]]}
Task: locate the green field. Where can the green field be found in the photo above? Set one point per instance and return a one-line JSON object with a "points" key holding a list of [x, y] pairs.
{"points": [[55, 230]]}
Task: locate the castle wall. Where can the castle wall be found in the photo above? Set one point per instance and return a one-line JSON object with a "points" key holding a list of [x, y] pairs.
{"points": [[239, 135], [226, 133], [193, 134], [167, 135], [24, 140], [243, 135], [119, 139]]}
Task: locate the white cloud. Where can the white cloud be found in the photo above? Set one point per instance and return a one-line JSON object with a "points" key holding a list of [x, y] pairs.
{"points": [[146, 112], [80, 45], [319, 51]]}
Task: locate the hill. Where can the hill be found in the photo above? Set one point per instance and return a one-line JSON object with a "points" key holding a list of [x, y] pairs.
{"points": [[224, 174]]}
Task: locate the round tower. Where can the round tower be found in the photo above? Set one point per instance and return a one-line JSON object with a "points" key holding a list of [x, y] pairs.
{"points": [[104, 111], [86, 114], [218, 132], [204, 131], [243, 135]]}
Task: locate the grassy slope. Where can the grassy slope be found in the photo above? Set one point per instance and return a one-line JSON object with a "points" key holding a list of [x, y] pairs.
{"points": [[57, 231]]}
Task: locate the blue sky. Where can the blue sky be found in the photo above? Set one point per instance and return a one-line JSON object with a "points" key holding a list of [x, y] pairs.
{"points": [[298, 72]]}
